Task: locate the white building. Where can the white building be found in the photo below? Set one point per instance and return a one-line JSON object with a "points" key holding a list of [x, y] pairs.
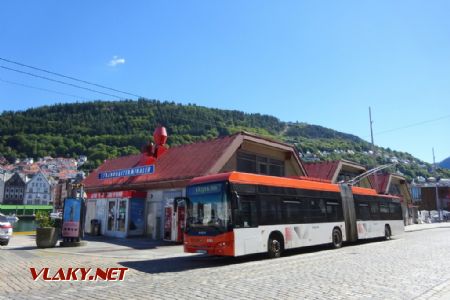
{"points": [[38, 190], [4, 176]]}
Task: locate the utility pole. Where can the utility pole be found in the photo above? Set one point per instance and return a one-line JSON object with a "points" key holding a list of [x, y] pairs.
{"points": [[371, 129], [373, 148], [438, 207]]}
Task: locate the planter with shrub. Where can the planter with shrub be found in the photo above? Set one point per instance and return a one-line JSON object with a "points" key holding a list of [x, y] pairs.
{"points": [[47, 232]]}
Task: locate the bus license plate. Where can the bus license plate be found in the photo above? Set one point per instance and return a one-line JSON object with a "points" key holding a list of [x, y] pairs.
{"points": [[201, 251]]}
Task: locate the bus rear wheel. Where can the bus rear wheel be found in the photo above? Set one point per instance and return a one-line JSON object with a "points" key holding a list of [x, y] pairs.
{"points": [[336, 239], [275, 247], [387, 232]]}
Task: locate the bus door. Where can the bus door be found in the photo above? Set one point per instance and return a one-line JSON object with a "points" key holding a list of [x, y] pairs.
{"points": [[248, 237]]}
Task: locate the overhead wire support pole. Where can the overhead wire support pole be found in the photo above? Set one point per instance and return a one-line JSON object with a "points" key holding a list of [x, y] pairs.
{"points": [[438, 204], [373, 144], [371, 129]]}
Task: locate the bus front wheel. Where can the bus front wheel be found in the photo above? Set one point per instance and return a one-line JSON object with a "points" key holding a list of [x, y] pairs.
{"points": [[336, 239], [275, 247]]}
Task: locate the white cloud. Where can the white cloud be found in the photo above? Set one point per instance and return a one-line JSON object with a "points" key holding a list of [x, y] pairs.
{"points": [[116, 61]]}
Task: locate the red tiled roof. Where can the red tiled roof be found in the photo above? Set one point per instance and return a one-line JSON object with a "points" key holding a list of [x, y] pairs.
{"points": [[380, 182], [323, 170], [177, 163]]}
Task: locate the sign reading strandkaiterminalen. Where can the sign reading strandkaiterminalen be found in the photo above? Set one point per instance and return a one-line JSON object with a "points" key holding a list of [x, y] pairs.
{"points": [[142, 170]]}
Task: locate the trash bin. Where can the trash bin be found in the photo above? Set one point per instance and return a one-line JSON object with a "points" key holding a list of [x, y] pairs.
{"points": [[95, 227]]}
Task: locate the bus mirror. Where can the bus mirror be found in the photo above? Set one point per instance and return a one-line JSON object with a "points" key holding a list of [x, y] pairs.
{"points": [[234, 200]]}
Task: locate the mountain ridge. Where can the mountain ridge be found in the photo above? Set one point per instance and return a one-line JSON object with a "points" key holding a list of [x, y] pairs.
{"points": [[445, 163]]}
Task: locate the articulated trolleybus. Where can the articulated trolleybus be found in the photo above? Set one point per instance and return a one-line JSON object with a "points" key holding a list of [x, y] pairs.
{"points": [[234, 214]]}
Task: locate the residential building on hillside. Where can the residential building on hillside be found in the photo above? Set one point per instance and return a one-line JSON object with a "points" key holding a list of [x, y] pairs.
{"points": [[15, 189], [38, 190], [60, 168]]}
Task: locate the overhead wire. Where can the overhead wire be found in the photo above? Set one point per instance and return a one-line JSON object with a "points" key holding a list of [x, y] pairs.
{"points": [[70, 77], [42, 89], [61, 82], [413, 125]]}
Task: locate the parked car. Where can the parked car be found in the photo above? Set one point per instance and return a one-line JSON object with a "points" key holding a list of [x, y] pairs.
{"points": [[6, 230]]}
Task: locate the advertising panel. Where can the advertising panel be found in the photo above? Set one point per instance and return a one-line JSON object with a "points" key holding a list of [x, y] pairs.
{"points": [[72, 217]]}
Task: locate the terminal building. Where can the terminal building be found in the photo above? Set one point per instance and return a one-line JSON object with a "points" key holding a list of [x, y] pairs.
{"points": [[143, 205]]}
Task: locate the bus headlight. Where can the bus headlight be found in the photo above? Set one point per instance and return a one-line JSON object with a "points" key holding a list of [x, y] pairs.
{"points": [[222, 244]]}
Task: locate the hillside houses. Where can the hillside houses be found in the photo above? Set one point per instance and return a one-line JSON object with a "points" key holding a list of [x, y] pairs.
{"points": [[35, 183]]}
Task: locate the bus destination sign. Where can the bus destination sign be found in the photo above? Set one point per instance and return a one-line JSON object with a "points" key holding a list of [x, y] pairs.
{"points": [[206, 189]]}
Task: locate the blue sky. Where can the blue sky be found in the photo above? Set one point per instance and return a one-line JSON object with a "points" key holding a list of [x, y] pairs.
{"points": [[321, 62]]}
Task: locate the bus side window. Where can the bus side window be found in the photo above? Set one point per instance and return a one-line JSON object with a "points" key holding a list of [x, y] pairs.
{"points": [[294, 210], [270, 210], [395, 211], [374, 210], [384, 211], [334, 211], [248, 212], [317, 209], [363, 212]]}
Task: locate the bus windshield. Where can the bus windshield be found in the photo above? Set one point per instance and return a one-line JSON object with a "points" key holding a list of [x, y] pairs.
{"points": [[208, 208]]}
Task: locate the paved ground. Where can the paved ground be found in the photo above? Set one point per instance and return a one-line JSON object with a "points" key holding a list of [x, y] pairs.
{"points": [[413, 266]]}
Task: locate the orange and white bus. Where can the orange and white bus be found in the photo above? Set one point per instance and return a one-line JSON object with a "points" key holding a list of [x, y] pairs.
{"points": [[234, 214]]}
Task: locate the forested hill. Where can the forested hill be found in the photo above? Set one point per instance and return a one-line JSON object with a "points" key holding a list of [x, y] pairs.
{"points": [[104, 130]]}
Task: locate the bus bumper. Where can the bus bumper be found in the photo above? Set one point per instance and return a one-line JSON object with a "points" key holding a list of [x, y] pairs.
{"points": [[221, 245]]}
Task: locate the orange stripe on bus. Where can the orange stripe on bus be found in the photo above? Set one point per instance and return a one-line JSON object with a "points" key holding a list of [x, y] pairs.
{"points": [[257, 179], [247, 178]]}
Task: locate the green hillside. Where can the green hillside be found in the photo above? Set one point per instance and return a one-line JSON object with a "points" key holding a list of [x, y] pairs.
{"points": [[105, 129]]}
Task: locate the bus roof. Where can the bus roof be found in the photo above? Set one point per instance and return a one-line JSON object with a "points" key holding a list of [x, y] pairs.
{"points": [[248, 178]]}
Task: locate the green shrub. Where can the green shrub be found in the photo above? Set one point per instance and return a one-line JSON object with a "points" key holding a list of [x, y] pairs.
{"points": [[43, 219]]}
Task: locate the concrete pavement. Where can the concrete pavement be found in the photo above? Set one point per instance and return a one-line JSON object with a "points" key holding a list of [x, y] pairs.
{"points": [[414, 265]]}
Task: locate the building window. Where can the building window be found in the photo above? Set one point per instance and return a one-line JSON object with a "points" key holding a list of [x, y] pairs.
{"points": [[416, 193], [252, 163], [394, 189]]}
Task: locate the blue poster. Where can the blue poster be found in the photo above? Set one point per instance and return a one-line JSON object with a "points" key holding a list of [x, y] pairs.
{"points": [[71, 217], [137, 207]]}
